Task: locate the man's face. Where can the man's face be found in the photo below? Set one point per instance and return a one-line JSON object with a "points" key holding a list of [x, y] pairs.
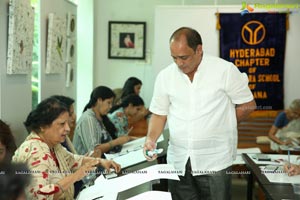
{"points": [[185, 57]]}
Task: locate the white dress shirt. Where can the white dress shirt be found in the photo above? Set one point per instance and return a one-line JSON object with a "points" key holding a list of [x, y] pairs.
{"points": [[201, 114]]}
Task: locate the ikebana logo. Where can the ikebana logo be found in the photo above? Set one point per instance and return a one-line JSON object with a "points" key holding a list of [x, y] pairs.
{"points": [[246, 8]]}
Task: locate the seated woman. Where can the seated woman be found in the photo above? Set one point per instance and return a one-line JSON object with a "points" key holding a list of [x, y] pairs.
{"points": [[130, 106], [94, 131], [7, 143], [281, 121], [54, 169], [132, 85], [139, 122], [69, 102]]}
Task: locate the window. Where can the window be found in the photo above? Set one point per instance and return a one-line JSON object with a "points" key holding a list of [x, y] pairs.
{"points": [[35, 55]]}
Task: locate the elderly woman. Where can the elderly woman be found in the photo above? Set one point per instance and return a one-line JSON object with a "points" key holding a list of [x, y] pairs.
{"points": [[288, 120], [54, 170]]}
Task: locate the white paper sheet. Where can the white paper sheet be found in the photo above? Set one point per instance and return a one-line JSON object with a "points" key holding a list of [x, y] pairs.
{"points": [[130, 158], [274, 157], [103, 187], [133, 145], [150, 195], [239, 160], [280, 176], [131, 154], [93, 192]]}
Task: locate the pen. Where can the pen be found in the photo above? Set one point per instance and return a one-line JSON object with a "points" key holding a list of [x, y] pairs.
{"points": [[289, 161], [97, 198]]}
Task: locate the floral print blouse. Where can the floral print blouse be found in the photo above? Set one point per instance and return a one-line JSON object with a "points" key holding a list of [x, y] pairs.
{"points": [[46, 167], [119, 119]]}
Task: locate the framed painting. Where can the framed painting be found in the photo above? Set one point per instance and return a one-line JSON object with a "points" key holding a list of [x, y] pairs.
{"points": [[126, 40]]}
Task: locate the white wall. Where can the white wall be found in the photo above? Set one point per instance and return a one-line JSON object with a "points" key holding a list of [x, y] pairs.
{"points": [[54, 83], [94, 68], [292, 64], [113, 72], [85, 50], [15, 90], [165, 26]]}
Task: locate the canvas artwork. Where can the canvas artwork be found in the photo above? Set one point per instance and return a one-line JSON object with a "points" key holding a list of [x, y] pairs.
{"points": [[69, 74], [20, 37], [71, 25], [70, 57], [56, 44]]}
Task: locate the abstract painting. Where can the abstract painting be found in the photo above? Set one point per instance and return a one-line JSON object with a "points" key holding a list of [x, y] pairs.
{"points": [[56, 44], [20, 37]]}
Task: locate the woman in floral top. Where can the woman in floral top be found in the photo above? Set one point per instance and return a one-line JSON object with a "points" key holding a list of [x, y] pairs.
{"points": [[54, 170], [131, 106]]}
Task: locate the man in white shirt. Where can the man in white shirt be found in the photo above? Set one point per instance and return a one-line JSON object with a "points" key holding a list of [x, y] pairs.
{"points": [[203, 97]]}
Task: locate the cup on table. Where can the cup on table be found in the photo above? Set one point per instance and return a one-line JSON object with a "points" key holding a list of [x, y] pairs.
{"points": [[296, 187]]}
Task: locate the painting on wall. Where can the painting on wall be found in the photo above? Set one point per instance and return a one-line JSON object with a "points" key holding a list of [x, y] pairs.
{"points": [[70, 55], [20, 37], [71, 25], [69, 74], [127, 40], [56, 44]]}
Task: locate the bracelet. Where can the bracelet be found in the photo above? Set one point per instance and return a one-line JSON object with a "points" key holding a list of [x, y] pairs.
{"points": [[110, 145], [60, 187]]}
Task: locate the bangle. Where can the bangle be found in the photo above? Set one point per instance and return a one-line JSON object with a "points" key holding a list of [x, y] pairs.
{"points": [[60, 187], [110, 145]]}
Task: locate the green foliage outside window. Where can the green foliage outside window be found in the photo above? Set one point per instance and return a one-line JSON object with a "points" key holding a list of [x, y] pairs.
{"points": [[35, 55]]}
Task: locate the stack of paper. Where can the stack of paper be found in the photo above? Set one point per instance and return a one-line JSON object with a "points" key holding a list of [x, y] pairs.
{"points": [[131, 154], [105, 188]]}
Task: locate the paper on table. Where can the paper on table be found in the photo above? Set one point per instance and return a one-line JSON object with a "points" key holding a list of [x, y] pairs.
{"points": [[112, 187], [131, 158], [93, 192], [159, 171], [279, 176], [128, 147], [150, 195], [273, 158], [239, 160]]}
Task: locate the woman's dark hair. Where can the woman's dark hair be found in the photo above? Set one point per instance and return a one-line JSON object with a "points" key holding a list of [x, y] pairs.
{"points": [[102, 92], [133, 99], [110, 127], [8, 140], [44, 114], [15, 179], [64, 99], [128, 87]]}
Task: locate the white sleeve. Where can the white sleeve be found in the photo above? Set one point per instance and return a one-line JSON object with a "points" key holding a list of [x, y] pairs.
{"points": [[160, 101], [237, 86]]}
